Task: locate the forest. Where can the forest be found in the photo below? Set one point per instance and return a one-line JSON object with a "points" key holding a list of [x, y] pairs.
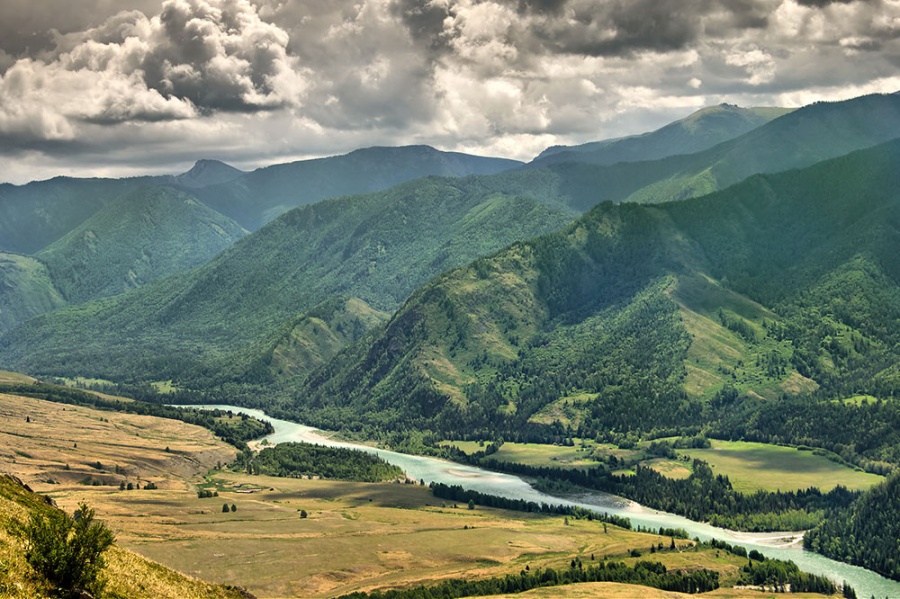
{"points": [[305, 460]]}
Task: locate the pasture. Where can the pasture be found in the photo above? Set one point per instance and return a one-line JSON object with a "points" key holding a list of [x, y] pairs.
{"points": [[759, 466]]}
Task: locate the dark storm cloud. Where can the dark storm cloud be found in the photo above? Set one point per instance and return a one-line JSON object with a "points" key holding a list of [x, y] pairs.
{"points": [[424, 21], [823, 3]]}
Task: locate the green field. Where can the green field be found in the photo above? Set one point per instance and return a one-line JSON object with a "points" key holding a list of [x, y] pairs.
{"points": [[758, 466], [536, 454]]}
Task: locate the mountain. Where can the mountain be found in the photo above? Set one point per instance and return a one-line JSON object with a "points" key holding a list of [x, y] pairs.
{"points": [[37, 214], [34, 215], [147, 234], [644, 317], [26, 290], [258, 197], [699, 131], [207, 172], [801, 138], [217, 320]]}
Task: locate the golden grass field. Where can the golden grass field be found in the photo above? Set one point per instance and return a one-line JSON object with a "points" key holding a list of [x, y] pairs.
{"points": [[357, 536], [64, 443]]}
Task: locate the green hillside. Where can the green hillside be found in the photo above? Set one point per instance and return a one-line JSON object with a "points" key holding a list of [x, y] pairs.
{"points": [[697, 132], [147, 234], [26, 290], [258, 197], [201, 325], [664, 315]]}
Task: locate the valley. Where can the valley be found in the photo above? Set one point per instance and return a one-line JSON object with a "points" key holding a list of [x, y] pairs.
{"points": [[696, 328], [375, 535]]}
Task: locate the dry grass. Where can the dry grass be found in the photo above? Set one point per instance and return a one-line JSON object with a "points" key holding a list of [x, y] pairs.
{"points": [[128, 575], [64, 444], [614, 590], [358, 536]]}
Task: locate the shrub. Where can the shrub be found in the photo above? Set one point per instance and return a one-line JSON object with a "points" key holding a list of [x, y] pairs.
{"points": [[68, 551]]}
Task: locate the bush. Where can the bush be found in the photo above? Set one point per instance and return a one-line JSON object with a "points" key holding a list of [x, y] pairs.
{"points": [[68, 551]]}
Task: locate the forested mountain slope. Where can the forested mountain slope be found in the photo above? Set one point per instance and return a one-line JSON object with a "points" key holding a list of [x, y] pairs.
{"points": [[697, 132], [377, 247], [37, 214], [648, 316], [147, 234], [866, 534]]}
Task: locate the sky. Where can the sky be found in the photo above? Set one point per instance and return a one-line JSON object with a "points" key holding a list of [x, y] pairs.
{"points": [[124, 87]]}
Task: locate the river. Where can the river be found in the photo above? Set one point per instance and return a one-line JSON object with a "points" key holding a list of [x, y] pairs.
{"points": [[865, 582]]}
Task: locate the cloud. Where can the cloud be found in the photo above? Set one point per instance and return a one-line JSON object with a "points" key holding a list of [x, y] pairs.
{"points": [[146, 82], [196, 57]]}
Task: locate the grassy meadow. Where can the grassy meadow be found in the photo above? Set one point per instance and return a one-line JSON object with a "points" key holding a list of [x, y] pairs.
{"points": [[750, 466], [360, 536], [755, 466]]}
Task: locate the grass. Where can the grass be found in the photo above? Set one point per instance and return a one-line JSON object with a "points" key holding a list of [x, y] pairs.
{"points": [[357, 536], [64, 443], [536, 454], [614, 590], [129, 575], [758, 466], [14, 377]]}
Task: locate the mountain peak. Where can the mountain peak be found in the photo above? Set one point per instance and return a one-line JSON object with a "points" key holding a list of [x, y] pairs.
{"points": [[208, 172]]}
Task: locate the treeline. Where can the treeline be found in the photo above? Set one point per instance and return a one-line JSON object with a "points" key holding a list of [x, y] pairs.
{"points": [[778, 575], [233, 429], [703, 496], [303, 459], [650, 574], [866, 435], [866, 534], [458, 493]]}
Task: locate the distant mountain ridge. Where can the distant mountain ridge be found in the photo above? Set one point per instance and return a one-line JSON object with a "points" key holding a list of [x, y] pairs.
{"points": [[36, 214], [699, 131], [223, 317], [795, 140], [207, 172], [258, 197]]}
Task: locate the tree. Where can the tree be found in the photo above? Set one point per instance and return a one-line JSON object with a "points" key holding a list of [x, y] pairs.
{"points": [[225, 509], [471, 504], [67, 550], [233, 508], [303, 514]]}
